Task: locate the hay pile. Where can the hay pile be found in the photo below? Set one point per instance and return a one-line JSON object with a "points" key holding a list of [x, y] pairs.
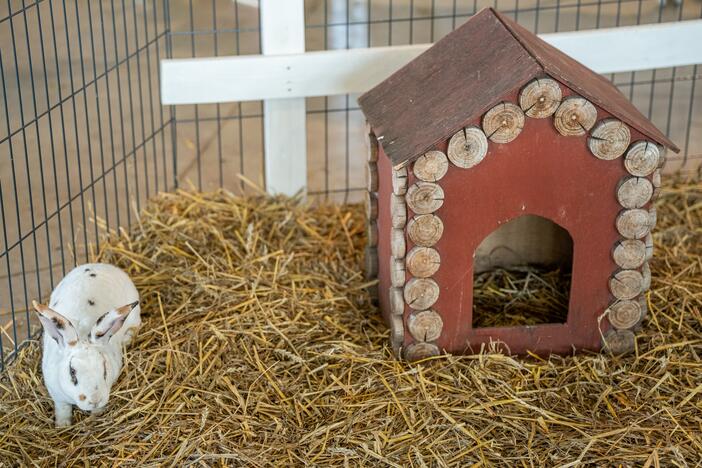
{"points": [[529, 295], [260, 348]]}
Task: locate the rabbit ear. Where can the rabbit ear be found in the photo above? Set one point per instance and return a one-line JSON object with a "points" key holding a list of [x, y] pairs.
{"points": [[56, 325], [110, 323]]}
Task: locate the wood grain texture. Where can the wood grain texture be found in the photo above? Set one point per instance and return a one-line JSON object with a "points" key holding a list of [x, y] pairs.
{"points": [[424, 197], [431, 166], [634, 192], [624, 314], [397, 333], [575, 116], [397, 272], [646, 275], [371, 145], [372, 233], [425, 230], [656, 181], [398, 211], [642, 158], [397, 301], [652, 217], [371, 205], [425, 325], [609, 139], [593, 86], [626, 284], [397, 243], [467, 147], [503, 123], [421, 293], [399, 181], [619, 342], [420, 350], [648, 240], [492, 55], [479, 62], [540, 98], [633, 224], [423, 262], [629, 253], [372, 177]]}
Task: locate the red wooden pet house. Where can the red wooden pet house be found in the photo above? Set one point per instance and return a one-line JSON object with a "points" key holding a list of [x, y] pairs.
{"points": [[490, 124]]}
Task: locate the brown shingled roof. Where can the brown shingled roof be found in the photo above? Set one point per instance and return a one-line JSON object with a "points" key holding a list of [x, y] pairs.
{"points": [[466, 73]]}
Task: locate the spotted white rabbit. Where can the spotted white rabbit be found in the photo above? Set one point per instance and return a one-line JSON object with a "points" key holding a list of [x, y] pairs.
{"points": [[93, 312]]}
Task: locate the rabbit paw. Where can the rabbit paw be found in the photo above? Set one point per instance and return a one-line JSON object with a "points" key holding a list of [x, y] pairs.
{"points": [[63, 414]]}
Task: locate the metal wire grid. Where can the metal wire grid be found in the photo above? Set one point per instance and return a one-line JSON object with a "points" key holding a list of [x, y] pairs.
{"points": [[83, 138], [88, 141]]}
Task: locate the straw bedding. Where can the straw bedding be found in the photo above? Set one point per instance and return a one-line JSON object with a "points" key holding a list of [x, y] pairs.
{"points": [[260, 347]]}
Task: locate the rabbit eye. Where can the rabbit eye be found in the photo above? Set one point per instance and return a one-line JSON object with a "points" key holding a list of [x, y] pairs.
{"points": [[81, 397], [72, 371], [104, 370]]}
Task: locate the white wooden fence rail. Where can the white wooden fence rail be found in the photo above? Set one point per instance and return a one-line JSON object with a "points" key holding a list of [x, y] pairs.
{"points": [[284, 75]]}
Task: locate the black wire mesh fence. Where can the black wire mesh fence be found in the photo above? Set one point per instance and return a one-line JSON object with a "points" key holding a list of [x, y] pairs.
{"points": [[84, 140]]}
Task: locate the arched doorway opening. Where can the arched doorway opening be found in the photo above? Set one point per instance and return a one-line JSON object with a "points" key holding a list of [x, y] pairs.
{"points": [[522, 274]]}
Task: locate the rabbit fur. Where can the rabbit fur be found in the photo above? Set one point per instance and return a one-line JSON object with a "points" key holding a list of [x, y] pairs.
{"points": [[92, 314]]}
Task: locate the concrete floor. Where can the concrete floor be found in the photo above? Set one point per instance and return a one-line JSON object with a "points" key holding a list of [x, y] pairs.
{"points": [[119, 146]]}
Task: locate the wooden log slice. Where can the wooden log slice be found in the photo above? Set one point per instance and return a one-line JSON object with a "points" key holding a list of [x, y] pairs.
{"points": [[609, 139], [425, 230], [397, 243], [371, 261], [634, 192], [503, 123], [372, 176], [575, 116], [467, 147], [397, 333], [633, 224], [424, 197], [421, 350], [398, 211], [422, 262], [624, 314], [397, 302], [540, 98], [629, 253], [399, 181], [425, 325], [646, 274], [662, 158], [656, 182], [626, 284], [421, 293], [642, 158], [643, 303], [649, 246], [371, 144], [431, 166], [619, 342], [371, 206], [372, 234], [397, 272], [652, 217]]}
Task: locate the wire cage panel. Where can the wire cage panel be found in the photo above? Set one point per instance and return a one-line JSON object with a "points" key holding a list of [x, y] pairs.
{"points": [[85, 141]]}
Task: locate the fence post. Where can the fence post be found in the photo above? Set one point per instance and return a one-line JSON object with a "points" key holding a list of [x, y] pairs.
{"points": [[284, 120]]}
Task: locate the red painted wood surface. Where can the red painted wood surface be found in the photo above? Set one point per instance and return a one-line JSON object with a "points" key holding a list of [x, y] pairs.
{"points": [[384, 228], [540, 173]]}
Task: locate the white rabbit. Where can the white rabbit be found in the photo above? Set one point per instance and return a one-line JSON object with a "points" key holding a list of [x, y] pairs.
{"points": [[93, 312]]}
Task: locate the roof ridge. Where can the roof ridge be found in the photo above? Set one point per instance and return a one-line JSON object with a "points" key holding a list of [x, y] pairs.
{"points": [[516, 37]]}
